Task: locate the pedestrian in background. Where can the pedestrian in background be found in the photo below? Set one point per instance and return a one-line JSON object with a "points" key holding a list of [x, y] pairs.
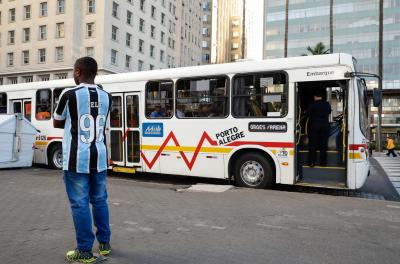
{"points": [[390, 147], [82, 112]]}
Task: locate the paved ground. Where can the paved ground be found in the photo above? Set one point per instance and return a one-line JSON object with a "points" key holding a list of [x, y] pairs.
{"points": [[391, 166], [152, 223]]}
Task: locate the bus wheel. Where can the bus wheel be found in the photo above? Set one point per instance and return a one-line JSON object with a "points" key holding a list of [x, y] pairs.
{"points": [[253, 171], [55, 157]]}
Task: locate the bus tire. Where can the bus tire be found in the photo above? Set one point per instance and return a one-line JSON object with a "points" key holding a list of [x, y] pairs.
{"points": [[55, 157], [253, 171]]}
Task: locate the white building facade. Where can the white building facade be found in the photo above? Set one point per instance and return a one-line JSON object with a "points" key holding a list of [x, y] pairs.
{"points": [[40, 40]]}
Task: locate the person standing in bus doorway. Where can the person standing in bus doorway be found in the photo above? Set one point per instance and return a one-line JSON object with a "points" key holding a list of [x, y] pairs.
{"points": [[318, 113], [82, 112], [390, 147]]}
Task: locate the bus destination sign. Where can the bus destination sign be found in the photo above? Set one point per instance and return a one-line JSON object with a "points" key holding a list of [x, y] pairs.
{"points": [[268, 127]]}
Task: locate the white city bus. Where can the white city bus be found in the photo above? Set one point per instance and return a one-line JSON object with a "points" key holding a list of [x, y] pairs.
{"points": [[240, 121]]}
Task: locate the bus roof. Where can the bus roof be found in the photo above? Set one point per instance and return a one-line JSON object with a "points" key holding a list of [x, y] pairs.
{"points": [[213, 69]]}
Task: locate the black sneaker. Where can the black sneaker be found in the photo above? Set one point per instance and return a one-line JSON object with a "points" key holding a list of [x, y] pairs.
{"points": [[104, 249], [80, 256]]}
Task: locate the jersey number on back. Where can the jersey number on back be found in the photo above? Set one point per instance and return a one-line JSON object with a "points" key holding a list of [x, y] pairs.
{"points": [[92, 131]]}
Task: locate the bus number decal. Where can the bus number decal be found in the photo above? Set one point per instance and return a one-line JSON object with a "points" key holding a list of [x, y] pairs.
{"points": [[41, 138]]}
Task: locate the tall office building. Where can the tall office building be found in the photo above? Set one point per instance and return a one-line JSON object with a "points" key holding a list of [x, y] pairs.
{"points": [[40, 40], [355, 31], [228, 31], [206, 31]]}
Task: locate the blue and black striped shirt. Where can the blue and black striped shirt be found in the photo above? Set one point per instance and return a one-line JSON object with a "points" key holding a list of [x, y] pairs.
{"points": [[85, 110]]}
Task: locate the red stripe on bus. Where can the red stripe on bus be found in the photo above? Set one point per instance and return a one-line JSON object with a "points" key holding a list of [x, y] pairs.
{"points": [[171, 136], [357, 146], [51, 138], [264, 144]]}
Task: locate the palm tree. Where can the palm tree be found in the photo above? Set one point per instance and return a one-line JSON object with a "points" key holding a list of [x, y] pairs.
{"points": [[331, 26], [380, 73], [286, 28], [319, 49]]}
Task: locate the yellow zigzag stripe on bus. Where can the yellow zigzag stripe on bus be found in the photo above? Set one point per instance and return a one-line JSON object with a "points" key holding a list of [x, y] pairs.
{"points": [[188, 149], [355, 156]]}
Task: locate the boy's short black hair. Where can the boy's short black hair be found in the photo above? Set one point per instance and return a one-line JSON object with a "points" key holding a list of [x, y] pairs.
{"points": [[87, 65]]}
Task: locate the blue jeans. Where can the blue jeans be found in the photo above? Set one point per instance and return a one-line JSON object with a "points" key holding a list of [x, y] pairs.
{"points": [[83, 188]]}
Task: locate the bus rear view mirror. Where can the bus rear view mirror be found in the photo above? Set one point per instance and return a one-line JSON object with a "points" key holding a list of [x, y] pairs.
{"points": [[377, 97]]}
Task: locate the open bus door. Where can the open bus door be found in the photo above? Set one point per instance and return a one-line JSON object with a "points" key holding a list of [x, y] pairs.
{"points": [[124, 131], [334, 172]]}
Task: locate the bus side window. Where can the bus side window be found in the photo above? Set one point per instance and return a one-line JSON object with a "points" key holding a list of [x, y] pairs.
{"points": [[205, 97], [259, 95], [3, 103], [56, 96], [159, 99], [43, 104]]}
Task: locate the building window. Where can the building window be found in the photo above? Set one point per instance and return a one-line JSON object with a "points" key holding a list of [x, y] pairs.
{"points": [[153, 12], [159, 99], [28, 79], [61, 76], [59, 53], [115, 10], [3, 100], [162, 18], [43, 104], [89, 51], [113, 57], [259, 95], [128, 60], [11, 37], [10, 59], [152, 48], [25, 57], [141, 45], [60, 6], [11, 15], [162, 37], [128, 39], [60, 30], [142, 2], [114, 32], [151, 67], [27, 12], [43, 9], [43, 78], [152, 31], [141, 25], [42, 55], [13, 80], [90, 30], [26, 34], [42, 32], [205, 97], [91, 6], [129, 17], [162, 53]]}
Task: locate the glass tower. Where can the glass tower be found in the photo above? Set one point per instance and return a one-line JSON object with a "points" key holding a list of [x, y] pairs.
{"points": [[355, 31]]}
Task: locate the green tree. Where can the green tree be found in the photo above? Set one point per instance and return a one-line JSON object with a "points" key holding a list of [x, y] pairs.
{"points": [[318, 49]]}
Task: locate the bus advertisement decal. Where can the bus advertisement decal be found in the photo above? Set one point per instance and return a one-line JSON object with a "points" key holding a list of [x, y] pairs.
{"points": [[272, 127], [153, 129], [229, 135]]}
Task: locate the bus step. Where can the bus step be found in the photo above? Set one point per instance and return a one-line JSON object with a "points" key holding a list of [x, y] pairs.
{"points": [[333, 158], [124, 170], [328, 173]]}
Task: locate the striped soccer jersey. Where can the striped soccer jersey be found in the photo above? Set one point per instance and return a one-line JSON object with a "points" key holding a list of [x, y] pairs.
{"points": [[85, 109]]}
